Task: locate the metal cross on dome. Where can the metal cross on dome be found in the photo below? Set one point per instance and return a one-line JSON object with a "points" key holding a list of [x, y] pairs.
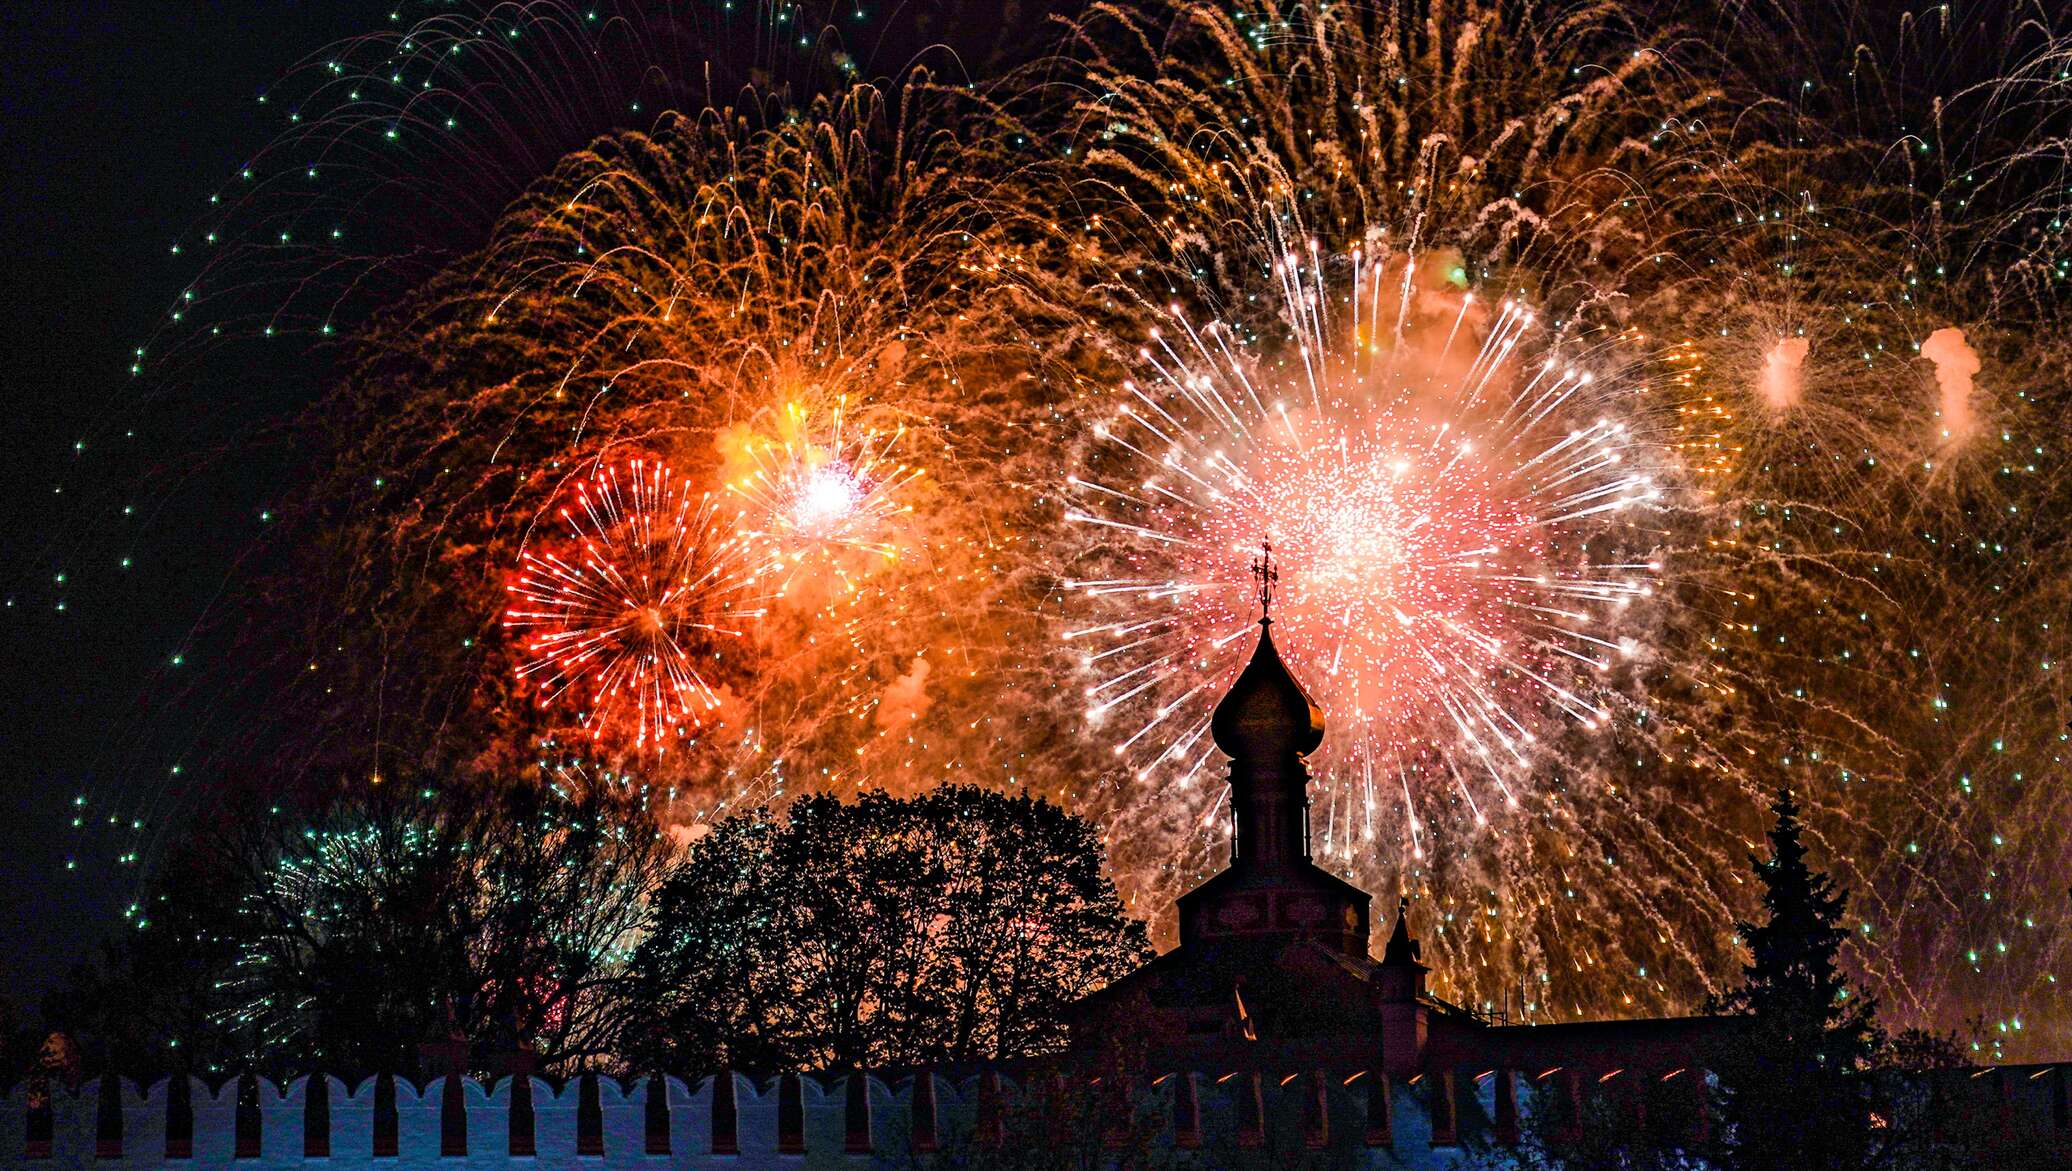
{"points": [[1268, 576]]}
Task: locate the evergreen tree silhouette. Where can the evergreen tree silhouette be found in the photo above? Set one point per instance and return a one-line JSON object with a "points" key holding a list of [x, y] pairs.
{"points": [[1794, 1090]]}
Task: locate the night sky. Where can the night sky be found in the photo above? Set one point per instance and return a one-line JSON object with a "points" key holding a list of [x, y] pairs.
{"points": [[135, 556], [118, 121]]}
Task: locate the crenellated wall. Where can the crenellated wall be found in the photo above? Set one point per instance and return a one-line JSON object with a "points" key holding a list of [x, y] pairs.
{"points": [[785, 1121], [790, 1121]]}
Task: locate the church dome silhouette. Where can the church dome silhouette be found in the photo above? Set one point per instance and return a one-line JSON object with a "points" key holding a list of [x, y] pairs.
{"points": [[1266, 715]]}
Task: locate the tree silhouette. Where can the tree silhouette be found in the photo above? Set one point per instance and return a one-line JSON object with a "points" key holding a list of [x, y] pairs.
{"points": [[956, 925], [1794, 1089], [498, 915]]}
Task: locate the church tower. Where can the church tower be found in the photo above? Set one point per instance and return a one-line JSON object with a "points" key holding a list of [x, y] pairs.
{"points": [[1273, 972], [1274, 947], [1267, 725]]}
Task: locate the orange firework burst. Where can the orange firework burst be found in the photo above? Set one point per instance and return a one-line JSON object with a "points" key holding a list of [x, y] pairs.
{"points": [[624, 615]]}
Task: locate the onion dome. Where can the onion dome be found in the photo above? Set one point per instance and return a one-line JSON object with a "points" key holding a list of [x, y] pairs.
{"points": [[1266, 715]]}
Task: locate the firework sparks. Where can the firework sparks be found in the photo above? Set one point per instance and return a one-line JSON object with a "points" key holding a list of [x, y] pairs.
{"points": [[1444, 524], [819, 485], [620, 616], [1859, 446]]}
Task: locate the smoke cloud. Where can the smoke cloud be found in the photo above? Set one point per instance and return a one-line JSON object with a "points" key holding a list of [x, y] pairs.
{"points": [[1955, 364], [1783, 380], [906, 699]]}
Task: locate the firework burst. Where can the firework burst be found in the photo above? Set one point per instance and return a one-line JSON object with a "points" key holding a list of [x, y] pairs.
{"points": [[821, 487], [620, 619], [1450, 531], [797, 311], [1819, 278]]}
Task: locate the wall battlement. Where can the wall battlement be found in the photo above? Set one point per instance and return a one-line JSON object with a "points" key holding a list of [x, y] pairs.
{"points": [[787, 1121], [742, 1122]]}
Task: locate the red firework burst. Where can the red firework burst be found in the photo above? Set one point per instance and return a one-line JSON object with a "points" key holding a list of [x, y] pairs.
{"points": [[624, 616]]}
